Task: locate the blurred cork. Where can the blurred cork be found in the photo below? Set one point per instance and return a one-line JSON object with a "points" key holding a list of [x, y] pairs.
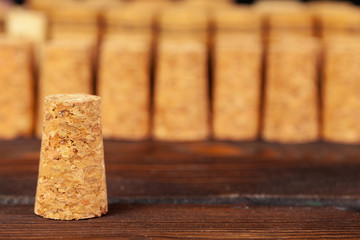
{"points": [[17, 88], [71, 182], [65, 67], [124, 86], [340, 90], [181, 90], [291, 91], [237, 86]]}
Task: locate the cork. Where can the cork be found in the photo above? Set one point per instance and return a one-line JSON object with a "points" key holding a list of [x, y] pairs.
{"points": [[290, 23], [75, 19], [181, 98], [236, 86], [291, 91], [129, 19], [340, 96], [65, 67], [124, 86], [17, 88], [237, 19], [338, 21], [181, 21], [71, 181]]}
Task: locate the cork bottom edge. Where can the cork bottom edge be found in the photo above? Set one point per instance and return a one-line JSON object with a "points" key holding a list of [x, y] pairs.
{"points": [[71, 219]]}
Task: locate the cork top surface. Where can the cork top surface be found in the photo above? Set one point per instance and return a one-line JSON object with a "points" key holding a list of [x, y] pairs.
{"points": [[71, 98], [277, 6], [130, 15], [291, 19]]}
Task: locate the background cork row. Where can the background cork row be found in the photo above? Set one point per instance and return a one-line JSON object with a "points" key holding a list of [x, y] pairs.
{"points": [[188, 70]]}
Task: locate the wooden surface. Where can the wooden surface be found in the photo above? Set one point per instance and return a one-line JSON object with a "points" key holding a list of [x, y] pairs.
{"points": [[199, 190]]}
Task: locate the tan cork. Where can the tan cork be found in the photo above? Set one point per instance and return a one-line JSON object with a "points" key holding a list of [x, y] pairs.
{"points": [[17, 89], [124, 86], [71, 182], [291, 102], [340, 90], [237, 85], [181, 91], [66, 67]]}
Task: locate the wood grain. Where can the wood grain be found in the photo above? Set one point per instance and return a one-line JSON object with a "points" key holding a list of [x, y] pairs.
{"points": [[209, 172], [187, 222]]}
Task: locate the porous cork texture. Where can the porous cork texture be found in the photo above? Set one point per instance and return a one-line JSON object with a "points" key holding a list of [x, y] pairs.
{"points": [[17, 89], [291, 102], [71, 182], [65, 67], [124, 85], [181, 91], [340, 90], [237, 86]]}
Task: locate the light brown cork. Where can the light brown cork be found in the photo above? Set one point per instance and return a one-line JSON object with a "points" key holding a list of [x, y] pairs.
{"points": [[17, 89], [71, 182], [129, 19], [236, 86], [290, 23], [65, 67], [291, 91], [181, 91], [337, 20], [181, 21], [340, 90], [237, 19], [124, 85]]}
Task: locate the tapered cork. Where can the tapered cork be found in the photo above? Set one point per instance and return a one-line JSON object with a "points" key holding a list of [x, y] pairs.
{"points": [[340, 90], [71, 182], [181, 91], [66, 67], [237, 86], [291, 101], [124, 85], [17, 89]]}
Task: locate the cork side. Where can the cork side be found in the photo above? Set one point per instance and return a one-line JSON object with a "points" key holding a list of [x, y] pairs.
{"points": [[71, 181]]}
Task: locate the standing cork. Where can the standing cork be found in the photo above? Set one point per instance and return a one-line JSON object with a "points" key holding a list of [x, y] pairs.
{"points": [[66, 67], [71, 183], [124, 86], [237, 86], [17, 89], [291, 91], [181, 90], [341, 84]]}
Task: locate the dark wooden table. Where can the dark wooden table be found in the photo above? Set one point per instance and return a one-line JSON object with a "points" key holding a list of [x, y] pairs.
{"points": [[198, 191]]}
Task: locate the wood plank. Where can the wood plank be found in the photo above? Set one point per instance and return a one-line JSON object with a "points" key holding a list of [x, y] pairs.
{"points": [[206, 172], [187, 222]]}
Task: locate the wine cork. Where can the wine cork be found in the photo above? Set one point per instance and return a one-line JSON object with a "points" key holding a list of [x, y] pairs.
{"points": [[180, 21], [71, 182], [291, 91], [75, 19], [341, 82], [129, 19], [237, 19], [181, 90], [237, 86], [124, 85], [17, 89], [66, 67], [290, 23], [338, 21]]}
